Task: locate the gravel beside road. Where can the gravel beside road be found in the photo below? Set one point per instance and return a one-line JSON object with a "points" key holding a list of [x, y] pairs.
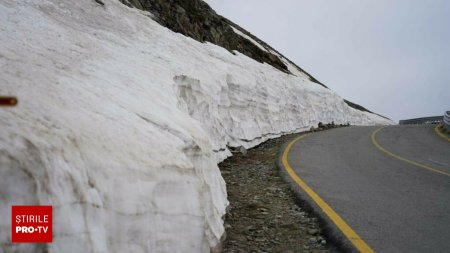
{"points": [[263, 215]]}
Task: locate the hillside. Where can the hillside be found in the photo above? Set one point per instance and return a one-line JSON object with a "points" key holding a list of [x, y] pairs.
{"points": [[121, 123], [195, 19]]}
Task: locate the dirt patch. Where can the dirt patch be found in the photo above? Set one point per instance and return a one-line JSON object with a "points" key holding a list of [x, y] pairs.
{"points": [[263, 215]]}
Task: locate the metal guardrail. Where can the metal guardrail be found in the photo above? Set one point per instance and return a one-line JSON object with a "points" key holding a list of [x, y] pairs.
{"points": [[420, 121], [446, 120]]}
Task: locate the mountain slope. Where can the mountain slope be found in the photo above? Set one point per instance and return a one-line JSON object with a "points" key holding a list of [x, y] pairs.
{"points": [[194, 18], [121, 122]]}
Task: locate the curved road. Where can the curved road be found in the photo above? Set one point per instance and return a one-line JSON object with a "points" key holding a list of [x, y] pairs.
{"points": [[396, 200]]}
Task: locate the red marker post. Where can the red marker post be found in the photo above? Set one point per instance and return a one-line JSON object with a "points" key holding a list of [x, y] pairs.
{"points": [[8, 101]]}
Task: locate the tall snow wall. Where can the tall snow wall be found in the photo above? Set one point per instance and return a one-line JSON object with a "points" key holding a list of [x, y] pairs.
{"points": [[121, 123]]}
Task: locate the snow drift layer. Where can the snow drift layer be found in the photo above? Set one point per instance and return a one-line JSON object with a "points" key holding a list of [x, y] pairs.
{"points": [[121, 122]]}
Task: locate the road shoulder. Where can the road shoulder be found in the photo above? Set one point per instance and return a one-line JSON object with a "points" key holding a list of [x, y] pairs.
{"points": [[335, 228]]}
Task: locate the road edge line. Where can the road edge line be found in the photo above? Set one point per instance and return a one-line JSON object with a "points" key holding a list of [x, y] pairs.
{"points": [[441, 134], [389, 153], [347, 232]]}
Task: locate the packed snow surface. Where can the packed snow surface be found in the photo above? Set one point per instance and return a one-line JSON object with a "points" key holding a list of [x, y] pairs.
{"points": [[121, 122]]}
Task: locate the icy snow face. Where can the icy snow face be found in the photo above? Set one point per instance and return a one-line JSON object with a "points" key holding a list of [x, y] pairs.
{"points": [[121, 122], [254, 102]]}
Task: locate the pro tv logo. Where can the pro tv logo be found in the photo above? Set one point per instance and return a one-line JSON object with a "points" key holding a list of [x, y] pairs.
{"points": [[31, 224]]}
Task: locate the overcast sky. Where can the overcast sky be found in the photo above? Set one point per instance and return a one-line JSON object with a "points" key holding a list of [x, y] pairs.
{"points": [[391, 56]]}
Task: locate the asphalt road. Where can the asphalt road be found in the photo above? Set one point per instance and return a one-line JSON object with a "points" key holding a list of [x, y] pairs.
{"points": [[392, 204]]}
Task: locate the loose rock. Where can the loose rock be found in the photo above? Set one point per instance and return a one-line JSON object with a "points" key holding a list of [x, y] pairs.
{"points": [[263, 216]]}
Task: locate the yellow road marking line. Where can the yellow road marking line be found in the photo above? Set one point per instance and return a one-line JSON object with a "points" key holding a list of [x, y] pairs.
{"points": [[387, 152], [351, 235], [441, 134]]}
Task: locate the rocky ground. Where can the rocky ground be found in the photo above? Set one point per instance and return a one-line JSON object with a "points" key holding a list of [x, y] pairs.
{"points": [[263, 215]]}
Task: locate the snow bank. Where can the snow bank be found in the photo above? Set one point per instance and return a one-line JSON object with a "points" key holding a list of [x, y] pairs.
{"points": [[121, 122]]}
